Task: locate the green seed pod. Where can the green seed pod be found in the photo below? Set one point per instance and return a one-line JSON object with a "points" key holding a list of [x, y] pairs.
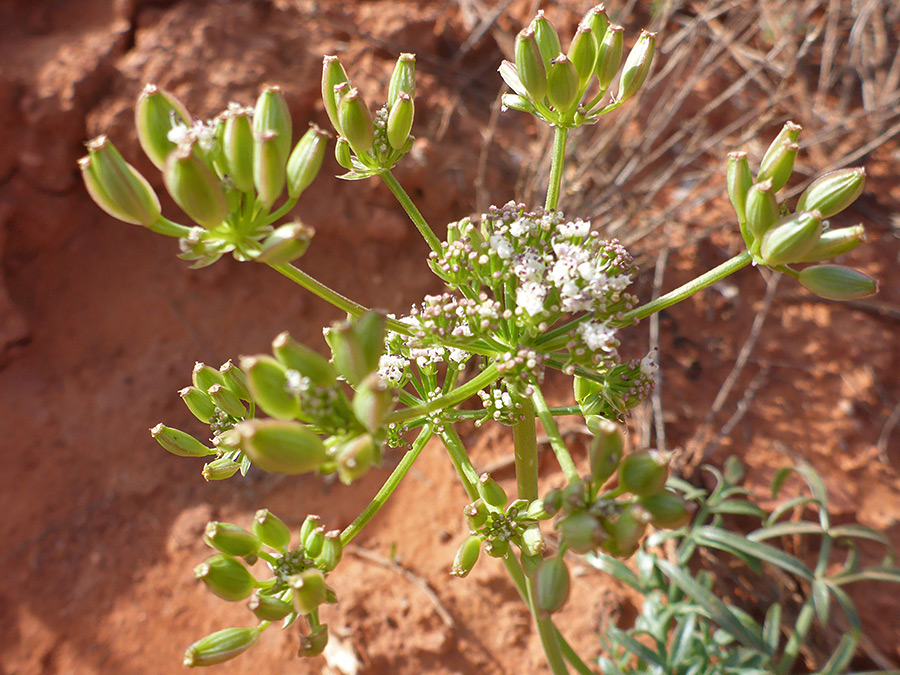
{"points": [[233, 378], [583, 55], [530, 65], [227, 400], [179, 443], [228, 439], [580, 531], [533, 540], [833, 243], [286, 244], [667, 510], [237, 148], [332, 549], [342, 153], [220, 646], [780, 165], [403, 79], [220, 469], [231, 539], [156, 112], [789, 133], [310, 523], [309, 590], [791, 238], [467, 556], [268, 385], [314, 643], [268, 607], [476, 514], [271, 530], [606, 450], [761, 209], [547, 38], [226, 577], [836, 282], [116, 186], [516, 102], [516, 508], [194, 187], [296, 356], [280, 446], [204, 376], [551, 585], [306, 160], [272, 114], [831, 193], [562, 84], [644, 473], [491, 492], [373, 402], [269, 173], [739, 180], [356, 122], [313, 542], [357, 347], [537, 510], [332, 75], [553, 502], [626, 531], [637, 65], [598, 22], [496, 548], [609, 55], [199, 403], [400, 121], [356, 456]]}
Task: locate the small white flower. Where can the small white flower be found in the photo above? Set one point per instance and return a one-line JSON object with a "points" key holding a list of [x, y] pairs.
{"points": [[530, 297], [501, 247], [391, 368], [598, 336], [649, 366]]}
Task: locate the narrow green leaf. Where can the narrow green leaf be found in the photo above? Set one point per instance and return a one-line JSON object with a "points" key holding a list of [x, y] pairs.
{"points": [[891, 574], [772, 628], [821, 600], [614, 567], [718, 611], [785, 529], [739, 507], [639, 649], [787, 507], [855, 531], [841, 657], [715, 538]]}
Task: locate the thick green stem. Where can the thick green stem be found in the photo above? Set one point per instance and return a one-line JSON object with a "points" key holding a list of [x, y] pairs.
{"points": [[169, 228], [521, 582], [550, 641], [388, 488], [681, 293], [460, 458], [331, 296], [455, 397], [282, 211], [556, 167], [525, 440], [414, 215], [556, 440]]}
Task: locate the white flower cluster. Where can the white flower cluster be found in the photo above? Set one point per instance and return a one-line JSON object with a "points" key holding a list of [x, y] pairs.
{"points": [[539, 267]]}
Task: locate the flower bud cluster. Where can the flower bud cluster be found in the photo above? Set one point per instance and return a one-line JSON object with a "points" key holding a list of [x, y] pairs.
{"points": [[552, 85], [778, 237], [495, 525], [225, 174], [369, 144], [296, 588], [615, 521]]}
